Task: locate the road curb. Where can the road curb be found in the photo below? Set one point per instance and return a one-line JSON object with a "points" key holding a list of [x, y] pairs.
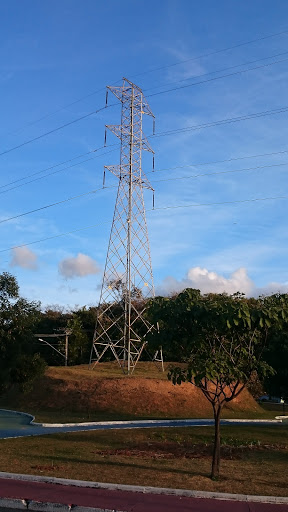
{"points": [[37, 506], [140, 489], [163, 422]]}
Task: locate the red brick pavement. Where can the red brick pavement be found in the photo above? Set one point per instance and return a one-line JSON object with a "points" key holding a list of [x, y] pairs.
{"points": [[124, 501]]}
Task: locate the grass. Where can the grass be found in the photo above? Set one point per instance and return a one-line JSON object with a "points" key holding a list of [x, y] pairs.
{"points": [[143, 369], [68, 416], [254, 458], [56, 416]]}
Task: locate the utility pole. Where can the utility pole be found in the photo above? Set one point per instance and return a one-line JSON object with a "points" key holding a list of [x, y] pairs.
{"points": [[66, 347], [67, 333], [128, 280]]}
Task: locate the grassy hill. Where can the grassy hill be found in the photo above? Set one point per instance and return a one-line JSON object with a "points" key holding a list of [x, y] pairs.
{"points": [[80, 394]]}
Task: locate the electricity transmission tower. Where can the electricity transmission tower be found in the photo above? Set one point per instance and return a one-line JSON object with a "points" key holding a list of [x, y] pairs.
{"points": [[121, 324]]}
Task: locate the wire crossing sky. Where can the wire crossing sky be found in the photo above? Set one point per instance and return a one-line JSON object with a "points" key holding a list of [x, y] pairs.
{"points": [[216, 80]]}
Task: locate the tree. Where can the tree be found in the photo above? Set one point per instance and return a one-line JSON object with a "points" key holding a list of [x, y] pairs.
{"points": [[27, 370], [221, 338], [17, 319], [79, 342], [276, 354]]}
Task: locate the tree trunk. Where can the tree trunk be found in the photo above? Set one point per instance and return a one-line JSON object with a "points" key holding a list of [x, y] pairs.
{"points": [[216, 448]]}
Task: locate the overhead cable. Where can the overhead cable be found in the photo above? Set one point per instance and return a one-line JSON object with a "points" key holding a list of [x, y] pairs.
{"points": [[209, 54], [216, 78], [55, 129], [198, 164], [149, 210], [53, 172], [245, 43], [55, 204], [174, 178], [215, 71], [218, 203], [220, 122], [149, 95], [55, 236]]}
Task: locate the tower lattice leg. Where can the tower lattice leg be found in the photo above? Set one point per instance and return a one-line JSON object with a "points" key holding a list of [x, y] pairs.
{"points": [[128, 280]]}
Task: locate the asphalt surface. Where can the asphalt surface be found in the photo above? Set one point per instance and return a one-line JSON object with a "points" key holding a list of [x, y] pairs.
{"points": [[124, 500], [13, 424]]}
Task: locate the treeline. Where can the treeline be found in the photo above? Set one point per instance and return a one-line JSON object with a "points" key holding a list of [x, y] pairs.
{"points": [[190, 322], [185, 320], [79, 323]]}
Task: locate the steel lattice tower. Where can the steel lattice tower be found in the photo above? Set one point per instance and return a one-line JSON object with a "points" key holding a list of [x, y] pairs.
{"points": [[128, 280]]}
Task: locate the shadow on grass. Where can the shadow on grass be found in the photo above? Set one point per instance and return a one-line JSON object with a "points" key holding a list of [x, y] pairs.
{"points": [[271, 435], [58, 460]]}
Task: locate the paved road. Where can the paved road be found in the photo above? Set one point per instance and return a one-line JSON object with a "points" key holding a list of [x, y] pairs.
{"points": [[17, 425], [123, 500]]}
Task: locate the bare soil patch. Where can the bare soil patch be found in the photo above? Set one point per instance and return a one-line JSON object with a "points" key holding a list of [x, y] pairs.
{"points": [[170, 450], [147, 393]]}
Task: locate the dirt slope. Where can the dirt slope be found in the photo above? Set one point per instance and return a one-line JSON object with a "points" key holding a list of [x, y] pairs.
{"points": [[73, 389]]}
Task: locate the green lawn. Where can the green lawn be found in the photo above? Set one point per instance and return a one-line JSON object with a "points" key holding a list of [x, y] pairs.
{"points": [[254, 458]]}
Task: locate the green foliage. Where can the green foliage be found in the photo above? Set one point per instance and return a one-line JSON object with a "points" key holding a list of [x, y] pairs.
{"points": [[17, 319], [276, 354], [79, 342], [28, 369], [221, 338]]}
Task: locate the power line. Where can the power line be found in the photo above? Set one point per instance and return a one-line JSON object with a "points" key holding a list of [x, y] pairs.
{"points": [[54, 204], [48, 168], [151, 172], [55, 129], [174, 178], [156, 69], [52, 173], [57, 165], [156, 170], [54, 112], [216, 78], [150, 95], [149, 210], [219, 203], [178, 130], [219, 161], [60, 109], [55, 236], [172, 132], [221, 122], [156, 181], [215, 71], [210, 53]]}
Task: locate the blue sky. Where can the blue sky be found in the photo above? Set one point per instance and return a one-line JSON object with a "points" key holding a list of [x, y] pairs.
{"points": [[55, 53]]}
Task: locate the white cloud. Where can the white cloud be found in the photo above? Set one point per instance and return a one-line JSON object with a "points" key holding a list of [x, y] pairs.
{"points": [[80, 266], [24, 257], [206, 282], [211, 282]]}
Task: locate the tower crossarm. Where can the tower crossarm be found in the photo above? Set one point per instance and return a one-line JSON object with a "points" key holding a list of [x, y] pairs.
{"points": [[145, 145], [123, 133], [123, 90], [124, 174]]}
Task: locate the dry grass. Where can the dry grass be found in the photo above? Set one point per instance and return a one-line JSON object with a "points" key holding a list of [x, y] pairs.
{"points": [[255, 459], [80, 394], [144, 369]]}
